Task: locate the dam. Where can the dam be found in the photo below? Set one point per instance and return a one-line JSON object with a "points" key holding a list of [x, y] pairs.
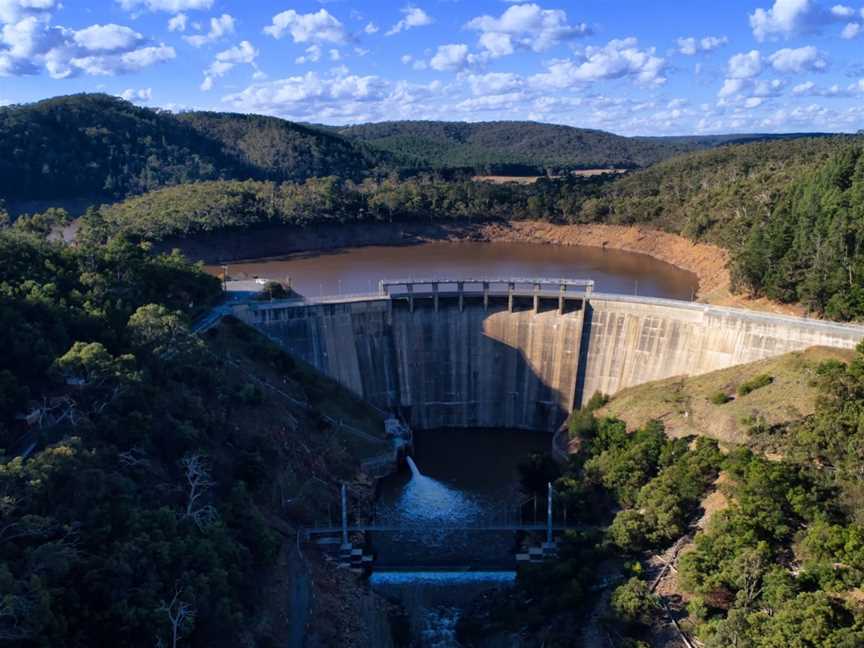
{"points": [[518, 353]]}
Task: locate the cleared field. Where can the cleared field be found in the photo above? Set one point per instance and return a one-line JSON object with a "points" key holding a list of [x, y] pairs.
{"points": [[527, 180]]}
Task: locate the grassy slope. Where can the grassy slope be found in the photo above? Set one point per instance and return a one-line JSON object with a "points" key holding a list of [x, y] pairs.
{"points": [[684, 407]]}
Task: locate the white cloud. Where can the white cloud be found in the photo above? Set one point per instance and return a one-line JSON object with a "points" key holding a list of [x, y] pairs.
{"points": [[454, 57], [691, 46], [33, 44], [312, 55], [128, 62], [749, 93], [744, 66], [177, 23], [141, 96], [411, 17], [341, 97], [688, 46], [107, 38], [787, 18], [809, 88], [618, 59], [371, 28], [219, 27], [14, 10], [802, 59], [525, 26], [226, 60], [851, 30], [320, 26], [505, 102], [495, 83], [803, 88], [168, 6]]}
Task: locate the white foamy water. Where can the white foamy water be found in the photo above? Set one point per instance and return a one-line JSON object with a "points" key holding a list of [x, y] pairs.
{"points": [[430, 503], [432, 599]]}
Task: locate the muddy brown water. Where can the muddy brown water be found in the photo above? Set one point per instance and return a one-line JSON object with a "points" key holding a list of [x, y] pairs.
{"points": [[358, 270]]}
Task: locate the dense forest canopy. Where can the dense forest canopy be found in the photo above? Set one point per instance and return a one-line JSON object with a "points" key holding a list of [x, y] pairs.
{"points": [[518, 146], [103, 147], [147, 476], [99, 147]]}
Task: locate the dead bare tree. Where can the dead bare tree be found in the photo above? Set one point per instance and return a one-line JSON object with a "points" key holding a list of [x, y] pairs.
{"points": [[199, 483], [180, 615], [134, 458]]}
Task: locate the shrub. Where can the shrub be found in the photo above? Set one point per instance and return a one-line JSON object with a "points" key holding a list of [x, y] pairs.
{"points": [[756, 382], [582, 424], [633, 602], [273, 290], [250, 394], [597, 401], [719, 398]]}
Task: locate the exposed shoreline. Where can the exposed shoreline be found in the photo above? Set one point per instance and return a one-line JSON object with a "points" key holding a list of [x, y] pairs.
{"points": [[708, 262]]}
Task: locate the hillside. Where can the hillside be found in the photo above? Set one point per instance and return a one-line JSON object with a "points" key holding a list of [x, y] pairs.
{"points": [[164, 469], [505, 145], [102, 147], [685, 405], [281, 150], [790, 212], [92, 148]]}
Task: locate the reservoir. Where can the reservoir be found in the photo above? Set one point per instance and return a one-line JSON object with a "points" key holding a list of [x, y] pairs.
{"points": [[358, 270]]}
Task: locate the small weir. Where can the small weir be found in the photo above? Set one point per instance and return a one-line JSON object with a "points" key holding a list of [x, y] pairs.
{"points": [[436, 564], [434, 601]]}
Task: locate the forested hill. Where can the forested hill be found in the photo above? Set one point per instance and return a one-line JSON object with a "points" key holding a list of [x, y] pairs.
{"points": [[101, 146], [499, 146]]}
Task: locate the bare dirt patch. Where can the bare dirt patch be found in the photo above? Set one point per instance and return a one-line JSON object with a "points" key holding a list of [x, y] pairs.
{"points": [[527, 180]]}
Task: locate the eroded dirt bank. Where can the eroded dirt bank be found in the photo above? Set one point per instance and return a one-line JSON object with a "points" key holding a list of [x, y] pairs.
{"points": [[708, 262]]}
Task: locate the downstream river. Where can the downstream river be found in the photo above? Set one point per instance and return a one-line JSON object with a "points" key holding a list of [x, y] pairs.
{"points": [[461, 475], [358, 270]]}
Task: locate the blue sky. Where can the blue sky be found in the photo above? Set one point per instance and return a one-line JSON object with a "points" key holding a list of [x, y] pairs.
{"points": [[631, 67]]}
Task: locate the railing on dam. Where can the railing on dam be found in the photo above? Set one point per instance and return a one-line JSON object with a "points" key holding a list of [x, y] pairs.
{"points": [[511, 288]]}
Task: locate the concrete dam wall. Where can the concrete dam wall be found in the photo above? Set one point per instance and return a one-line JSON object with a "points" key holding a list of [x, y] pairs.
{"points": [[477, 364]]}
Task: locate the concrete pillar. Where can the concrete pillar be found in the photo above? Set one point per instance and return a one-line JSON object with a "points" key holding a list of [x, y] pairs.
{"points": [[486, 295], [344, 515], [510, 287], [410, 297], [435, 295], [536, 298], [460, 288], [381, 290], [561, 290]]}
